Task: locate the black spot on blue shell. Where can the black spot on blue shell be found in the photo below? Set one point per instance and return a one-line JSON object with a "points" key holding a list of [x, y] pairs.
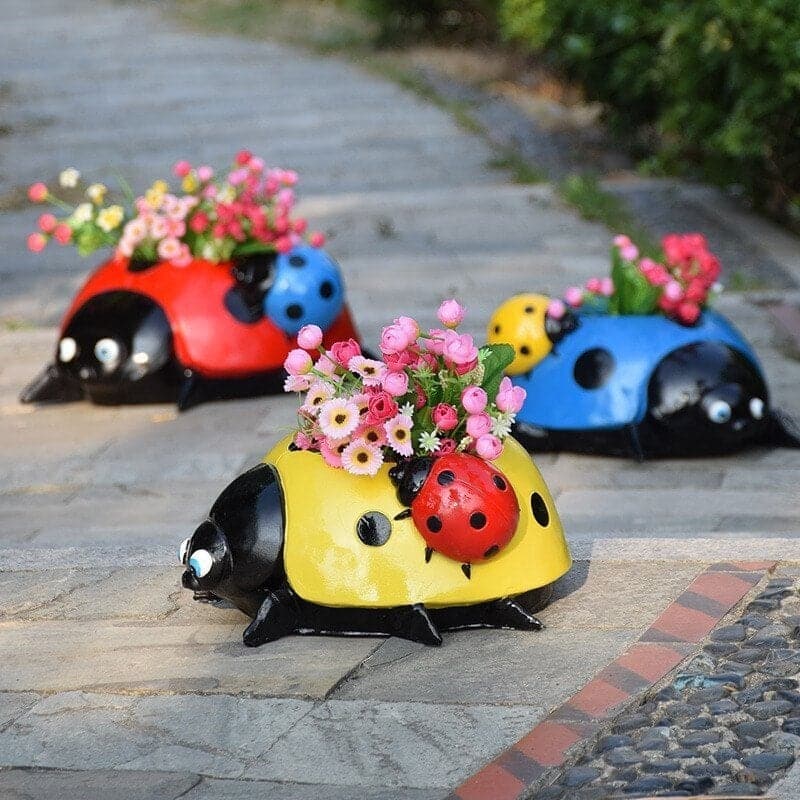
{"points": [[294, 311], [297, 261], [539, 509], [434, 524], [326, 290], [446, 477], [593, 368], [374, 528]]}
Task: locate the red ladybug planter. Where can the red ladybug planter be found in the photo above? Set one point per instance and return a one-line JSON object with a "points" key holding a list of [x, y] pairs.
{"points": [[462, 506], [139, 333]]}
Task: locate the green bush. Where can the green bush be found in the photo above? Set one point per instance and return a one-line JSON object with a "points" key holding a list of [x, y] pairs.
{"points": [[718, 79]]}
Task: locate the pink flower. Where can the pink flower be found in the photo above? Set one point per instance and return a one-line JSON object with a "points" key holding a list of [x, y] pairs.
{"points": [[621, 240], [510, 398], [673, 291], [309, 337], [688, 312], [556, 309], [237, 177], [298, 362], [478, 424], [169, 248], [474, 399], [47, 223], [181, 169], [199, 222], [460, 351], [158, 227], [338, 417], [370, 370], [398, 434], [445, 417], [285, 198], [343, 351], [296, 383], [126, 247], [393, 340], [205, 173], [318, 393], [435, 341], [303, 441], [488, 447], [593, 285], [446, 446], [325, 366], [316, 239], [242, 157], [184, 257], [37, 193], [629, 252], [62, 233], [606, 287], [450, 313], [256, 164], [175, 228], [381, 407], [396, 383], [372, 434], [410, 327], [36, 242], [362, 458], [573, 296], [332, 452], [397, 362]]}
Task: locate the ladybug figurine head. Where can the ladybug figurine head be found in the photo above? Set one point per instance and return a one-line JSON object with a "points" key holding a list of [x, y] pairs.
{"points": [[409, 477]]}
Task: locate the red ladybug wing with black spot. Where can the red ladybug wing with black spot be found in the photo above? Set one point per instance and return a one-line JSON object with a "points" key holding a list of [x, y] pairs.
{"points": [[467, 509], [207, 337]]}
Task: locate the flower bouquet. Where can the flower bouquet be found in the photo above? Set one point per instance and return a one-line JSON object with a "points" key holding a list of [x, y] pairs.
{"points": [[203, 295], [642, 366], [399, 505]]}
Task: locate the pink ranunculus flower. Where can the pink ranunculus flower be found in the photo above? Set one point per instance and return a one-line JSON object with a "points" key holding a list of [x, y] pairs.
{"points": [[393, 339], [688, 312], [445, 417], [62, 233], [434, 342], [556, 309], [181, 169], [450, 313], [396, 383], [630, 252], [593, 285], [381, 407], [342, 352], [673, 291], [510, 398], [298, 362], [316, 239], [325, 366], [309, 337], [573, 296], [620, 240], [488, 447], [410, 327], [478, 424], [205, 173], [37, 192], [47, 223], [446, 446], [36, 242], [397, 362], [459, 349], [606, 287], [474, 399]]}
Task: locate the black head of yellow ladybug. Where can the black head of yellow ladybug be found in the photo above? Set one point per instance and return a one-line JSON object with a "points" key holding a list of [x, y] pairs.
{"points": [[557, 327]]}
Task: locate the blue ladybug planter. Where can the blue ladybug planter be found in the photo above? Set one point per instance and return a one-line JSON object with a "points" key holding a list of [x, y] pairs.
{"points": [[647, 387]]}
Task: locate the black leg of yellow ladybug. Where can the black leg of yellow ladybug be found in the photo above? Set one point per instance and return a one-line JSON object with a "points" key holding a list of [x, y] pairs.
{"points": [[416, 625], [508, 613], [277, 617]]}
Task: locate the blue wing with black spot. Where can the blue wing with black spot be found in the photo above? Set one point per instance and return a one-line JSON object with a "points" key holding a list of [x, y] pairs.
{"points": [[597, 376], [307, 289]]}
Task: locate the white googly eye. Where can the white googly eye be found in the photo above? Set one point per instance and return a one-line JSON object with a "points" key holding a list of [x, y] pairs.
{"points": [[183, 550], [140, 358], [757, 408], [67, 349], [719, 411], [106, 351], [201, 562]]}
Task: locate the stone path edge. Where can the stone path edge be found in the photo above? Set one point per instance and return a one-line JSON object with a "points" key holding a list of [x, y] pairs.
{"points": [[674, 636]]}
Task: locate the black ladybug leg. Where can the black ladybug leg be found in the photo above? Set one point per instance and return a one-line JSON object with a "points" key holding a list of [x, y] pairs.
{"points": [[414, 623], [276, 617], [191, 391], [509, 613], [782, 431], [428, 554], [636, 444], [52, 384], [467, 570]]}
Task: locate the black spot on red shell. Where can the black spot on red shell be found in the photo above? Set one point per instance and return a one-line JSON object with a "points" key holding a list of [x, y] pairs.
{"points": [[477, 520], [491, 551], [593, 368], [539, 509], [446, 477], [434, 524], [374, 528], [498, 481], [294, 311]]}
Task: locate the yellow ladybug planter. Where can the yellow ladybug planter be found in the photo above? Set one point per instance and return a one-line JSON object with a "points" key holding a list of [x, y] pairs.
{"points": [[383, 533]]}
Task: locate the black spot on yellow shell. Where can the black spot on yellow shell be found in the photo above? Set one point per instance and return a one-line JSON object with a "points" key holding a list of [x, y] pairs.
{"points": [[497, 329], [374, 528], [525, 350], [539, 509]]}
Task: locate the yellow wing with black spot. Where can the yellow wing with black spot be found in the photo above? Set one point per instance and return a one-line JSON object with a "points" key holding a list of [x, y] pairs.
{"points": [[327, 563], [520, 322]]}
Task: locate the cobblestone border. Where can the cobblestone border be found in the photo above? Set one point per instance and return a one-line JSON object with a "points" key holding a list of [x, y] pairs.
{"points": [[674, 636]]}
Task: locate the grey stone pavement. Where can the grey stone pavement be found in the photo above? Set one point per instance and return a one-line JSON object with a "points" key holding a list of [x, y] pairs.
{"points": [[112, 678]]}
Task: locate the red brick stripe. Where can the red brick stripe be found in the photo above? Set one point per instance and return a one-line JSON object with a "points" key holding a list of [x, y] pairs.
{"points": [[668, 641]]}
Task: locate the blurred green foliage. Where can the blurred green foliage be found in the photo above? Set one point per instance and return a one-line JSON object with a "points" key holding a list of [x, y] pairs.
{"points": [[717, 80]]}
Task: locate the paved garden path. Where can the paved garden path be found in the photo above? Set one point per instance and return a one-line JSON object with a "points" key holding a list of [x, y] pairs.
{"points": [[110, 675]]}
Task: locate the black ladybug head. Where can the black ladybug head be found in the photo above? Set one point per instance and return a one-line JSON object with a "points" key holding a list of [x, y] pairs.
{"points": [[409, 476], [237, 552], [557, 329]]}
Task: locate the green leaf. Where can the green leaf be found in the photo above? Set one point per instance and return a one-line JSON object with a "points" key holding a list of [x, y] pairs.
{"points": [[498, 357]]}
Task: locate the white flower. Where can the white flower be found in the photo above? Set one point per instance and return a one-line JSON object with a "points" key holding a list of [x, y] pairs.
{"points": [[501, 424], [429, 442], [82, 213], [407, 409], [96, 193], [69, 178]]}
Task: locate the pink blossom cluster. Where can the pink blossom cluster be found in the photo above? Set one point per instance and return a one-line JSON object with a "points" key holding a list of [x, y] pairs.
{"points": [[358, 412]]}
